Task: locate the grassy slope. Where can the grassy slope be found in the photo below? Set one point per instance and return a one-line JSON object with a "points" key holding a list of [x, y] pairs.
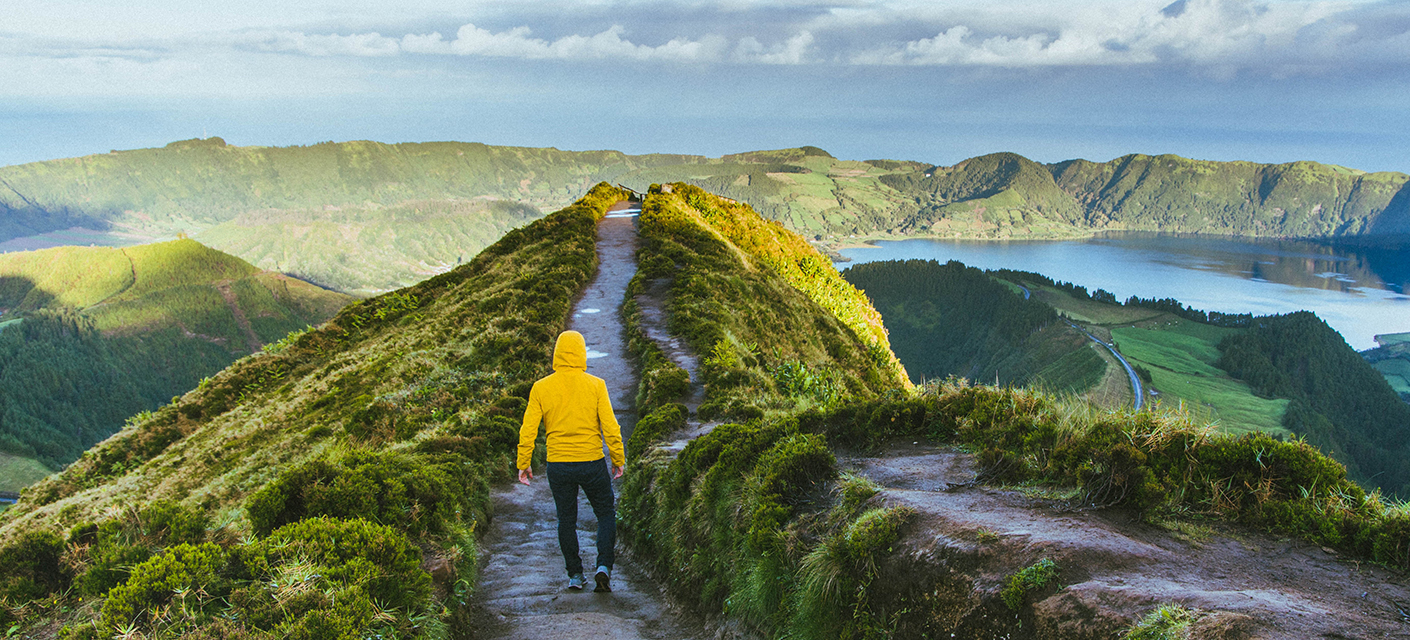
{"points": [[1392, 359], [754, 520], [807, 329], [1180, 356], [421, 380], [17, 472], [100, 334], [363, 250], [955, 320], [428, 337], [250, 201]]}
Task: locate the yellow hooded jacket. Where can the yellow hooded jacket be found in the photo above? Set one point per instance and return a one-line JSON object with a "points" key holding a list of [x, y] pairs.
{"points": [[574, 406]]}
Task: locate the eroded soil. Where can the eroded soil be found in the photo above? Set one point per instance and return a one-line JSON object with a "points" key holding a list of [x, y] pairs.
{"points": [[1114, 568]]}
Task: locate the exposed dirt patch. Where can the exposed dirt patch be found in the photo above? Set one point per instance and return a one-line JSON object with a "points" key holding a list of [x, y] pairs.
{"points": [[1114, 568]]}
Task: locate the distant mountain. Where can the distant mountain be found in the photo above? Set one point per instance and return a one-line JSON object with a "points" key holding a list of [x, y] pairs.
{"points": [[367, 217], [1006, 195], [358, 216], [92, 336]]}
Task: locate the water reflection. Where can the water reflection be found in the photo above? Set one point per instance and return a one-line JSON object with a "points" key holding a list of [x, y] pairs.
{"points": [[1359, 290]]}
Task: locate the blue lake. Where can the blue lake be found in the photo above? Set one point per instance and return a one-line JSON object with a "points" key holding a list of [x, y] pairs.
{"points": [[1359, 291]]}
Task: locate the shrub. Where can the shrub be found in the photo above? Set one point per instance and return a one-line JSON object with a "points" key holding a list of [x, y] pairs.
{"points": [[654, 427], [32, 567], [1032, 578], [398, 489], [1167, 622], [376, 558], [153, 583]]}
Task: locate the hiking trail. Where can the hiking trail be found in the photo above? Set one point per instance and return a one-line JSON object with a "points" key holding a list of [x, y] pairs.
{"points": [[523, 591]]}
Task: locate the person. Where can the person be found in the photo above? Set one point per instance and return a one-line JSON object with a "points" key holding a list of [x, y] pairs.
{"points": [[577, 412]]}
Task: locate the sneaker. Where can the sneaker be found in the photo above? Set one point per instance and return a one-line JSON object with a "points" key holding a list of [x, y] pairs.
{"points": [[576, 582], [604, 580]]}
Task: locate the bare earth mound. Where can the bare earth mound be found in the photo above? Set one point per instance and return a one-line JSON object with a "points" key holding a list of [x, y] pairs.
{"points": [[968, 539]]}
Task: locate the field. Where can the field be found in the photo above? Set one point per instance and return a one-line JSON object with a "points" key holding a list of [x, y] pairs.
{"points": [[17, 472], [1180, 356]]}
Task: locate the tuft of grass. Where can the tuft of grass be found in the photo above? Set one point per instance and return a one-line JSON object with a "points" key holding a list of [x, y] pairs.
{"points": [[1034, 577], [1191, 533], [1166, 622]]}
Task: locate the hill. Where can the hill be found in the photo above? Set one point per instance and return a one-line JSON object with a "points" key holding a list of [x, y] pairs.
{"points": [[356, 216], [93, 336], [367, 217], [354, 446], [952, 320], [333, 485], [1005, 195]]}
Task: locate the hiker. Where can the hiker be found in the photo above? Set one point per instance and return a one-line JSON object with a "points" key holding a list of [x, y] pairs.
{"points": [[578, 414]]}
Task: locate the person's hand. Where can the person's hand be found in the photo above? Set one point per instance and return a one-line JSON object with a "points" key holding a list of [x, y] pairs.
{"points": [[525, 475], [617, 471]]}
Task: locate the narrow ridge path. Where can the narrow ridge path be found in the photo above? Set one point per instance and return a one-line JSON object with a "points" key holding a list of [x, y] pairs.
{"points": [[523, 591]]}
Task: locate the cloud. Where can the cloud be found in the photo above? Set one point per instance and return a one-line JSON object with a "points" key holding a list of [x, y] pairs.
{"points": [[471, 40], [1230, 33], [1281, 37]]}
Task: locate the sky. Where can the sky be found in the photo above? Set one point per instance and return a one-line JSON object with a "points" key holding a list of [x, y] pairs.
{"points": [[936, 81]]}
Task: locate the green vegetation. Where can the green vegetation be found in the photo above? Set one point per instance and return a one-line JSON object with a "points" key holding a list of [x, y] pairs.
{"points": [[354, 216], [759, 307], [1338, 401], [321, 471], [1167, 622], [96, 335], [365, 249], [1180, 359], [367, 217], [1032, 578], [1392, 360], [18, 472], [952, 320]]}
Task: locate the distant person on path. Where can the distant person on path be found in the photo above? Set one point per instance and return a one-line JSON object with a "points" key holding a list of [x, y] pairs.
{"points": [[578, 414]]}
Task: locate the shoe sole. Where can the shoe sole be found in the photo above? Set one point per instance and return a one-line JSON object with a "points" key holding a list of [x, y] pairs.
{"points": [[604, 583]]}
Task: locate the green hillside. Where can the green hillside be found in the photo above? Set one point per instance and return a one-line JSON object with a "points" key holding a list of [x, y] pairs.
{"points": [[93, 336], [339, 455], [952, 320], [333, 485], [368, 217], [1392, 360], [1338, 401], [807, 333], [357, 216]]}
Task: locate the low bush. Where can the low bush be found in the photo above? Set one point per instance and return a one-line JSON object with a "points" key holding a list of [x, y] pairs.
{"points": [[33, 567], [393, 488], [1034, 577], [182, 570], [654, 427], [376, 558]]}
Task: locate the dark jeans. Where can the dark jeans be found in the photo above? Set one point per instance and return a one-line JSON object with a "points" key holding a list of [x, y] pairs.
{"points": [[564, 478]]}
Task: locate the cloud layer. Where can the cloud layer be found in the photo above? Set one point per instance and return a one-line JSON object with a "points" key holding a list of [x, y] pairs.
{"points": [[1229, 34], [1199, 33]]}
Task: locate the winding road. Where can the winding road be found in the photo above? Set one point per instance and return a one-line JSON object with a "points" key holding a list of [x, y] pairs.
{"points": [[1131, 373]]}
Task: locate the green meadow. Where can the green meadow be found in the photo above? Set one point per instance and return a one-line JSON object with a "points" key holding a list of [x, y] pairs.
{"points": [[1180, 357]]}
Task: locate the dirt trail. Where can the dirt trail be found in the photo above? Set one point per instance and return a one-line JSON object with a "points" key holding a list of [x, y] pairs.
{"points": [[251, 340], [1114, 567], [522, 591]]}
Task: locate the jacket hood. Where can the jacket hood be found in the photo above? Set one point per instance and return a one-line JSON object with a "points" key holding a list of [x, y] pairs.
{"points": [[570, 352]]}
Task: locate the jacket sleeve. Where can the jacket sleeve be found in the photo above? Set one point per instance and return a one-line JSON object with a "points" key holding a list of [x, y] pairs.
{"points": [[611, 431], [529, 430]]}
